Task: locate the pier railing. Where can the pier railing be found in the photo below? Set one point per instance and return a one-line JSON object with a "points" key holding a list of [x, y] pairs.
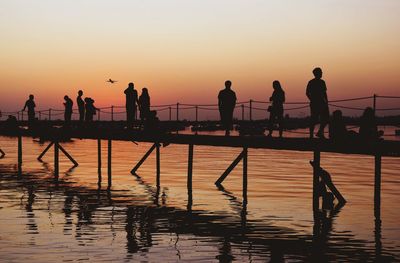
{"points": [[244, 110]]}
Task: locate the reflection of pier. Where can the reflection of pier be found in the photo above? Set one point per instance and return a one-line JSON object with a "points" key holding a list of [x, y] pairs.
{"points": [[142, 222]]}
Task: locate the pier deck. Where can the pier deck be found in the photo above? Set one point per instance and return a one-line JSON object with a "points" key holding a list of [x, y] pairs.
{"points": [[382, 148]]}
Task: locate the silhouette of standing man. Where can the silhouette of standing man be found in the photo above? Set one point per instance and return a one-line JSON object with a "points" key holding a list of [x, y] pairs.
{"points": [[316, 93], [30, 104], [226, 105], [131, 102], [68, 110], [81, 106]]}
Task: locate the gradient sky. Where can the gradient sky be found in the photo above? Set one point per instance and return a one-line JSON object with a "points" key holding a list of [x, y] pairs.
{"points": [[184, 50]]}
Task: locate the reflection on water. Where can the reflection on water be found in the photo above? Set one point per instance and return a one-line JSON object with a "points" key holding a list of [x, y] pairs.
{"points": [[77, 218]]}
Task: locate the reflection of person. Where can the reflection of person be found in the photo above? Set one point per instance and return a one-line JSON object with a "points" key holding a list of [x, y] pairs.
{"points": [[90, 109], [131, 102], [68, 110], [226, 105], [81, 106], [368, 127], [316, 93], [276, 108], [30, 104], [144, 104]]}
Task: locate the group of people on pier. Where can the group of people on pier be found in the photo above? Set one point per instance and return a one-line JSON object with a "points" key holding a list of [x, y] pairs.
{"points": [[316, 92]]}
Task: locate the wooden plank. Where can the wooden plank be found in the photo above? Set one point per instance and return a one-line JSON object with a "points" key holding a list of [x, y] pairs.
{"points": [[190, 177], [158, 171], [133, 171], [56, 159], [385, 148], [109, 164], [68, 155], [328, 182], [229, 169], [45, 151], [245, 177], [377, 185]]}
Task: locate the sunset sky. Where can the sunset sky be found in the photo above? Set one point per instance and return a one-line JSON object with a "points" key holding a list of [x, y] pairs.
{"points": [[184, 50]]}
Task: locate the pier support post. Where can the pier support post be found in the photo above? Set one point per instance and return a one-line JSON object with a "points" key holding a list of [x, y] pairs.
{"points": [[316, 166], [245, 177], [109, 164], [190, 176], [158, 164], [377, 207], [229, 169], [56, 159], [19, 154], [2, 154], [377, 188], [99, 160], [133, 171]]}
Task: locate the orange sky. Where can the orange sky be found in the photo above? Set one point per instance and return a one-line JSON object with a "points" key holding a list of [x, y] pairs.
{"points": [[185, 50]]}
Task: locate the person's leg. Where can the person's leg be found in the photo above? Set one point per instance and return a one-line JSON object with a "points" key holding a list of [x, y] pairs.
{"points": [[280, 123], [271, 123], [324, 118], [129, 118], [313, 119]]}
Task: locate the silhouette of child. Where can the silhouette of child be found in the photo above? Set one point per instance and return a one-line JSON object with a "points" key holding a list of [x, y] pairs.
{"points": [[90, 109], [368, 127]]}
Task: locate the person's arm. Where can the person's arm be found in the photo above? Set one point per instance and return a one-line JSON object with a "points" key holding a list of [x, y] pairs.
{"points": [[308, 91], [24, 106], [325, 93], [219, 101]]}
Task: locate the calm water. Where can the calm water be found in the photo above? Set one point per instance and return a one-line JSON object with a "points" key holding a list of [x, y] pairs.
{"points": [[42, 220]]}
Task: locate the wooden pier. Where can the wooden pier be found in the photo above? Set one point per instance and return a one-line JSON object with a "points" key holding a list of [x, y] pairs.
{"points": [[377, 149]]}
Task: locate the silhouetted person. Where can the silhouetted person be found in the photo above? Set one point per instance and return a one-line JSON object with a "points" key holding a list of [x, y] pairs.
{"points": [[144, 104], [11, 124], [151, 123], [81, 106], [30, 104], [368, 127], [68, 110], [226, 105], [276, 108], [131, 102], [337, 128], [316, 93], [90, 109]]}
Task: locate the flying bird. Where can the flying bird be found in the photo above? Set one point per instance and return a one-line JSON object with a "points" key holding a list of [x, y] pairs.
{"points": [[111, 81]]}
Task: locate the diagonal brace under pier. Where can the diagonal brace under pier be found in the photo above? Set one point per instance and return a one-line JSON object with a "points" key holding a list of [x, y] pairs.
{"points": [[2, 154], [230, 168], [61, 149], [145, 156]]}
